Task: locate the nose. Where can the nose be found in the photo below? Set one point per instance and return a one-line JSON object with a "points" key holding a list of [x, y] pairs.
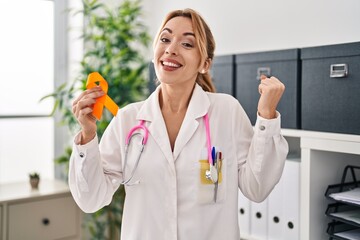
{"points": [[172, 48]]}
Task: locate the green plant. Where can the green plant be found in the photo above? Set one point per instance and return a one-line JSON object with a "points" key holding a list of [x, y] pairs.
{"points": [[34, 175], [114, 40]]}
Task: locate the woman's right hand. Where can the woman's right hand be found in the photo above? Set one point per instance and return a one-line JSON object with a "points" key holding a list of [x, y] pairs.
{"points": [[82, 109]]}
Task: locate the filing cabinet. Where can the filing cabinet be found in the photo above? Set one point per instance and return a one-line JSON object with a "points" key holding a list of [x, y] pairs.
{"points": [[222, 73], [284, 65], [330, 88], [152, 78], [46, 213]]}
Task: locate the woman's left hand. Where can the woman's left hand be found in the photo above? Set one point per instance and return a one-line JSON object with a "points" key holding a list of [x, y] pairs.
{"points": [[271, 90]]}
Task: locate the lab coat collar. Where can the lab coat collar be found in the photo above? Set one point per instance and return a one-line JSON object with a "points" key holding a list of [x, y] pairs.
{"points": [[150, 111], [198, 106]]}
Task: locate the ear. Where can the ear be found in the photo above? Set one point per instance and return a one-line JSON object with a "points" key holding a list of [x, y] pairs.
{"points": [[206, 66]]}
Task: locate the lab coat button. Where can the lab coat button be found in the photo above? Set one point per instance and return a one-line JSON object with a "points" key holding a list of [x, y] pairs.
{"points": [[262, 127], [81, 154]]}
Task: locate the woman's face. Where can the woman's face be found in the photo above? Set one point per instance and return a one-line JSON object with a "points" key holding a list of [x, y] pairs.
{"points": [[176, 55]]}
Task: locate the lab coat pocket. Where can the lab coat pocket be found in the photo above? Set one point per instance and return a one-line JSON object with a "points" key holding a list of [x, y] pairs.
{"points": [[208, 193]]}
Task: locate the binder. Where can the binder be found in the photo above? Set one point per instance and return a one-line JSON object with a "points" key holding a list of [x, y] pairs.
{"points": [[276, 211], [244, 215], [291, 203], [258, 220]]}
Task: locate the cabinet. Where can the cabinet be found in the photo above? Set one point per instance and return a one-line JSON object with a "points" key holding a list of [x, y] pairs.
{"points": [[48, 212], [330, 82], [285, 65], [222, 73], [323, 157]]}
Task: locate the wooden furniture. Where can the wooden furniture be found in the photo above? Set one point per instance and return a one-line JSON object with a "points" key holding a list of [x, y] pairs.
{"points": [[48, 212]]}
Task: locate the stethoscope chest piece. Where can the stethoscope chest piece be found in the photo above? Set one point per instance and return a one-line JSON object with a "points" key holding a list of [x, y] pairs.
{"points": [[212, 174]]}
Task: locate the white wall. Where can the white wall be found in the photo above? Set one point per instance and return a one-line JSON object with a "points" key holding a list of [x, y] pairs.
{"points": [[258, 25]]}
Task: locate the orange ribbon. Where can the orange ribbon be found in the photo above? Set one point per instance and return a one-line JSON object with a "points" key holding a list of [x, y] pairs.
{"points": [[103, 100]]}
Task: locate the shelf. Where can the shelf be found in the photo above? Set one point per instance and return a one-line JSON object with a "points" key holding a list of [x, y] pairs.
{"points": [[341, 231], [320, 135], [344, 213]]}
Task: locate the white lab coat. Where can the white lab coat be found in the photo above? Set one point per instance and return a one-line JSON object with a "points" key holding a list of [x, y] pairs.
{"points": [[171, 202]]}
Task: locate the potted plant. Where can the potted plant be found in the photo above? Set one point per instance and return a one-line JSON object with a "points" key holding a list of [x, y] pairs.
{"points": [[114, 41], [34, 180]]}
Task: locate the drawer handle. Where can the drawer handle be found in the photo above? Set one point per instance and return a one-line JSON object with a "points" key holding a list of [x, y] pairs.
{"points": [[46, 221], [263, 71], [338, 70]]}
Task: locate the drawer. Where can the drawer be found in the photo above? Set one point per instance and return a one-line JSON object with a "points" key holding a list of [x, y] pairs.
{"points": [[284, 65], [44, 219], [330, 97], [222, 73]]}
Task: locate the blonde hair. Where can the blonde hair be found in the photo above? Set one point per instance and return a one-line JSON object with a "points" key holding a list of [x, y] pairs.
{"points": [[204, 40]]}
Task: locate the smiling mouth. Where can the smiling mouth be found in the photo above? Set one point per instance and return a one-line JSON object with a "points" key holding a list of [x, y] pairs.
{"points": [[170, 64]]}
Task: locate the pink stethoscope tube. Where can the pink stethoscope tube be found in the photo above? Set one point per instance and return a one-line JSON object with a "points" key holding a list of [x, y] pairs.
{"points": [[208, 140], [141, 126]]}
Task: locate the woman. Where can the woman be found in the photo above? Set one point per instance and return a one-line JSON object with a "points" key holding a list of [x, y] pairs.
{"points": [[201, 146]]}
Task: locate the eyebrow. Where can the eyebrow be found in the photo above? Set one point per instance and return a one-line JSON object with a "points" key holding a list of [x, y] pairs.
{"points": [[185, 34]]}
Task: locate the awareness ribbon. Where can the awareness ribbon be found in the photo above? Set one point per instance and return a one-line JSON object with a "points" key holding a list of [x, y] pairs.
{"points": [[103, 100]]}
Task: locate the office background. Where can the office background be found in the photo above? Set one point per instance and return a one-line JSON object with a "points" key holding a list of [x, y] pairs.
{"points": [[238, 27]]}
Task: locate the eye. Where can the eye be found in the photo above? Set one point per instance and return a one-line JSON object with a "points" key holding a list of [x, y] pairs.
{"points": [[187, 45], [164, 40]]}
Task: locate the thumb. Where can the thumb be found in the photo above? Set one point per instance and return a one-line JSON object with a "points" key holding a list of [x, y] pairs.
{"points": [[262, 78]]}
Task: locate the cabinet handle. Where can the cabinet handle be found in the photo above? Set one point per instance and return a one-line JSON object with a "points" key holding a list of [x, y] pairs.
{"points": [[263, 71], [338, 70], [45, 221]]}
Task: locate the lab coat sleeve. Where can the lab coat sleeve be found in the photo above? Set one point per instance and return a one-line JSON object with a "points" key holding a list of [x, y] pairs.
{"points": [[95, 169], [261, 153]]}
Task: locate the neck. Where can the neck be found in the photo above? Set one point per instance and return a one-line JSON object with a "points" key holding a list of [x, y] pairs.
{"points": [[174, 98]]}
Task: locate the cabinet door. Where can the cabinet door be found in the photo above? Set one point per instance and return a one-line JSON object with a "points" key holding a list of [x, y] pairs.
{"points": [[43, 219], [222, 72], [284, 65]]}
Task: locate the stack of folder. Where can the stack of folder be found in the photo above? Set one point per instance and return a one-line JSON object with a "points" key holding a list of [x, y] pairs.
{"points": [[345, 211]]}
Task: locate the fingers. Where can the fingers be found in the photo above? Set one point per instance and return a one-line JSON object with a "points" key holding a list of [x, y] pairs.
{"points": [[271, 84], [86, 99], [271, 90], [82, 107], [89, 93]]}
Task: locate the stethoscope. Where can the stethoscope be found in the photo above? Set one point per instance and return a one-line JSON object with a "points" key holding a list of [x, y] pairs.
{"points": [[211, 173]]}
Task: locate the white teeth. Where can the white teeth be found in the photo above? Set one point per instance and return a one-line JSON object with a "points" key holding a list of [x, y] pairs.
{"points": [[170, 64]]}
